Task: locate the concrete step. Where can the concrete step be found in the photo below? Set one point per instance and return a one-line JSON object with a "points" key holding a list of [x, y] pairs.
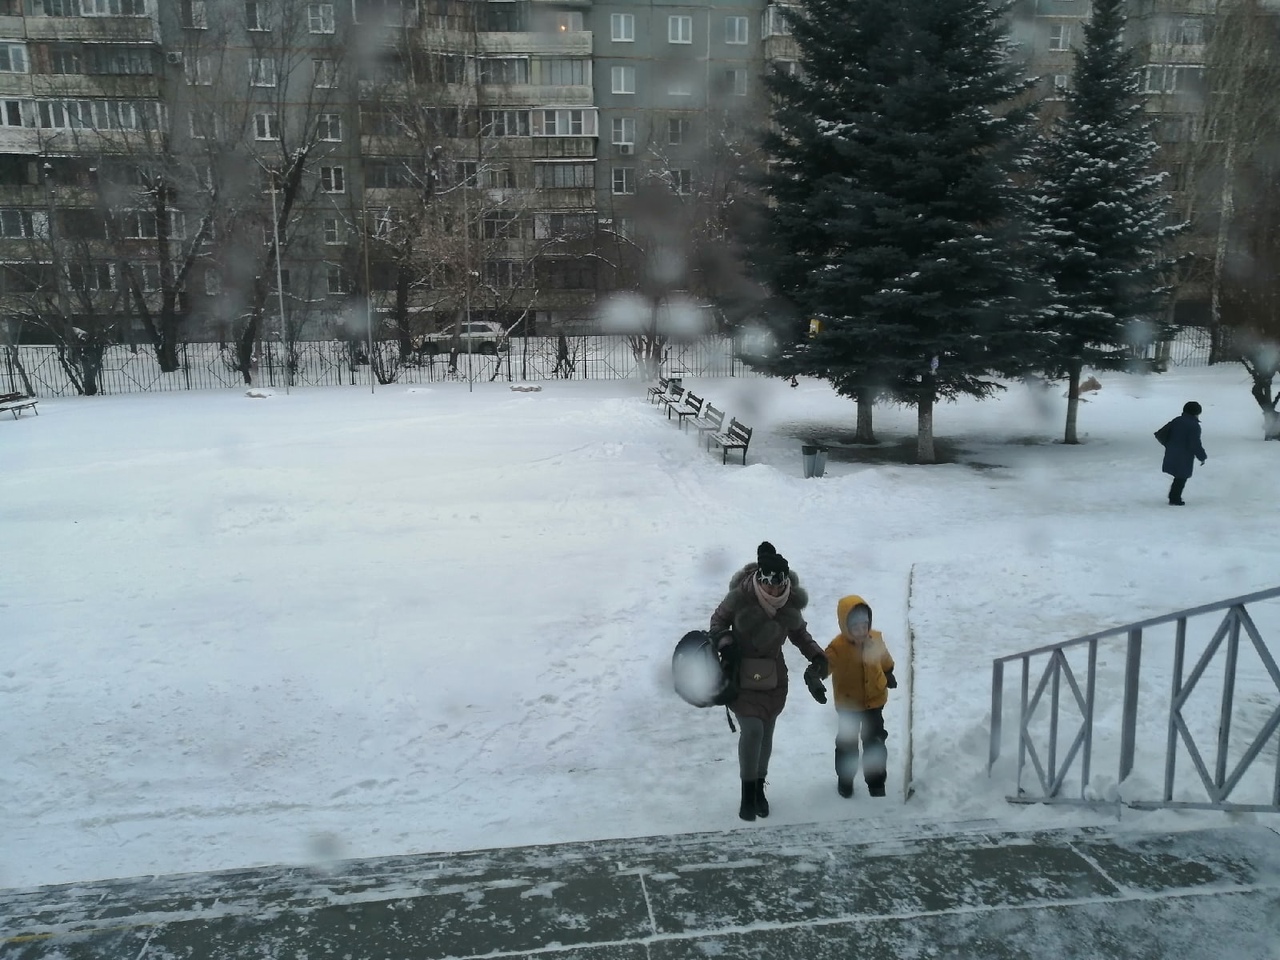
{"points": [[967, 891]]}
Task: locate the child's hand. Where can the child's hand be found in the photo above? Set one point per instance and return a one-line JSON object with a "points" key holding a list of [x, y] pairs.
{"points": [[891, 680]]}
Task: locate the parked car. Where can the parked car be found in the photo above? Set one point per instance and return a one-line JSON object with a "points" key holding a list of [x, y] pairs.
{"points": [[472, 336]]}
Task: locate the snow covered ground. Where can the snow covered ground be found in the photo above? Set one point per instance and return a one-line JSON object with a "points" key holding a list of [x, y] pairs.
{"points": [[333, 624]]}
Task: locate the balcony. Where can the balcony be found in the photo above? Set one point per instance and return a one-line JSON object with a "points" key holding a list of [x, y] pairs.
{"points": [[82, 28], [115, 87], [534, 95], [575, 44]]}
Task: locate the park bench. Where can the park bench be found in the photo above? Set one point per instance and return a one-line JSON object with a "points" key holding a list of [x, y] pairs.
{"points": [[737, 437], [692, 407], [656, 391], [672, 399], [710, 422], [15, 403]]}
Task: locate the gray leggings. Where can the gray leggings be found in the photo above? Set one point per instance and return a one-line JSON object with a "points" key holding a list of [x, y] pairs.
{"points": [[755, 745]]}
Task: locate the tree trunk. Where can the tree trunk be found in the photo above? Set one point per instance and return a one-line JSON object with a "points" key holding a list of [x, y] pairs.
{"points": [[866, 399], [1073, 404], [924, 423], [403, 333]]}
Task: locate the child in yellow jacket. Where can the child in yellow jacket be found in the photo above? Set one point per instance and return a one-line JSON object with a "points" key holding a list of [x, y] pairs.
{"points": [[861, 677]]}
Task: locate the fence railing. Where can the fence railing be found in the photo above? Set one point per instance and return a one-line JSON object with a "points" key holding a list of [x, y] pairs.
{"points": [[209, 366], [1055, 755]]}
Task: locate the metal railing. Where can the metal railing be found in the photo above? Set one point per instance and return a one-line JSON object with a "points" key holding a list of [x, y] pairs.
{"points": [[1053, 768]]}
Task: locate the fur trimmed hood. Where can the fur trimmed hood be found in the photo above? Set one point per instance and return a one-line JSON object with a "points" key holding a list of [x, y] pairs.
{"points": [[799, 598]]}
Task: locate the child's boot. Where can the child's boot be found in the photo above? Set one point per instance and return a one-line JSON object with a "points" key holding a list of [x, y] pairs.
{"points": [[875, 789], [845, 786]]}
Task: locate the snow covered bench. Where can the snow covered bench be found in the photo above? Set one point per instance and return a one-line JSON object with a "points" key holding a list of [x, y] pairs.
{"points": [[15, 403], [672, 398], [656, 392], [692, 407], [710, 422], [737, 437]]}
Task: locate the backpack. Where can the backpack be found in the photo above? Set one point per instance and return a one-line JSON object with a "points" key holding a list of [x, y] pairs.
{"points": [[1163, 433], [702, 676]]}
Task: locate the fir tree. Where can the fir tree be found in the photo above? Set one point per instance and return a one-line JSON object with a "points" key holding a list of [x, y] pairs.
{"points": [[1101, 214], [892, 201]]}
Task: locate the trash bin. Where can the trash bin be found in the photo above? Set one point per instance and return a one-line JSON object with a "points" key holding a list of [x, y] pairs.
{"points": [[815, 459]]}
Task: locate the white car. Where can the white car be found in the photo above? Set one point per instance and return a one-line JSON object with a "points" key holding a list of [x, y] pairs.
{"points": [[472, 336]]}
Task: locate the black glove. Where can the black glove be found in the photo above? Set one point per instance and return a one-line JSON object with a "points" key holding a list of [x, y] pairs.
{"points": [[814, 683], [890, 679], [821, 666]]}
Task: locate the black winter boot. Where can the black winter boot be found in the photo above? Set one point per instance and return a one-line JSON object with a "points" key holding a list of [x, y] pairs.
{"points": [[875, 789], [747, 809], [844, 786], [762, 802]]}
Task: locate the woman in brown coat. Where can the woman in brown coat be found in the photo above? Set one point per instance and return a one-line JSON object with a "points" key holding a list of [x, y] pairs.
{"points": [[763, 606]]}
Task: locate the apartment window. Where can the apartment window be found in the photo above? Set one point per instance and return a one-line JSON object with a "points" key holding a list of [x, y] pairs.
{"points": [[320, 17], [565, 73], [564, 123], [735, 29], [1168, 78], [622, 27], [195, 15], [1061, 84], [624, 129], [56, 8], [465, 172], [204, 124], [255, 16], [682, 181], [329, 127], [563, 176], [262, 72], [333, 180], [775, 21], [624, 180], [1059, 36], [677, 130], [11, 113], [504, 70], [567, 21], [113, 8], [503, 225], [623, 79], [15, 224], [266, 126], [65, 59], [1188, 32], [548, 225], [91, 276], [679, 87], [198, 71], [503, 273], [337, 280], [118, 59], [679, 29], [332, 230], [143, 225], [149, 277], [736, 81], [324, 73], [499, 178], [504, 123], [566, 274], [13, 58]]}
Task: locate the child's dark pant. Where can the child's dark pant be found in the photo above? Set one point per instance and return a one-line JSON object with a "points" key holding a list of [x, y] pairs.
{"points": [[869, 725]]}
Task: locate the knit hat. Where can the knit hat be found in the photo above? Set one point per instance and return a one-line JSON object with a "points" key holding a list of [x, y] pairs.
{"points": [[1192, 408]]}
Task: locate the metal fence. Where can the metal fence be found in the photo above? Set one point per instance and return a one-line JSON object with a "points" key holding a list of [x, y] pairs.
{"points": [[1248, 700], [205, 366]]}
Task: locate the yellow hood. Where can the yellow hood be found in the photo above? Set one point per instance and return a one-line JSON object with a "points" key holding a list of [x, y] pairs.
{"points": [[842, 611]]}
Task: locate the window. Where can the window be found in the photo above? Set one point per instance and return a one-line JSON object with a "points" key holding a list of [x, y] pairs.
{"points": [[336, 280], [149, 277], [15, 223], [143, 225], [502, 273], [567, 21], [195, 16], [465, 172], [503, 225], [677, 131], [333, 180], [1059, 36], [255, 16], [622, 27], [262, 72], [1188, 32], [198, 70], [735, 29], [679, 87], [736, 81], [320, 17], [113, 8], [1060, 86], [266, 126], [91, 276], [623, 79], [57, 8], [624, 130], [212, 283], [775, 21], [549, 225], [204, 124], [11, 113], [392, 173], [505, 17], [118, 59], [679, 29], [682, 181], [13, 58], [564, 175], [504, 123], [564, 123], [565, 73], [499, 178], [1169, 78], [65, 59], [324, 73], [566, 274], [329, 127], [284, 283], [504, 70], [624, 180]]}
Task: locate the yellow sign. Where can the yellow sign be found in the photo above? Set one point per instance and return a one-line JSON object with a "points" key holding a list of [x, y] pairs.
{"points": [[815, 328]]}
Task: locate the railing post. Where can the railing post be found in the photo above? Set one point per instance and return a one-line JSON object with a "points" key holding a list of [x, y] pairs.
{"points": [[1228, 697], [1022, 719], [1055, 684], [1090, 684], [1171, 743], [997, 713], [1129, 713]]}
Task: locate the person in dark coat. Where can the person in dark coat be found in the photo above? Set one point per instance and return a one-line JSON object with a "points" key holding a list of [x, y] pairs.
{"points": [[1181, 446], [764, 607]]}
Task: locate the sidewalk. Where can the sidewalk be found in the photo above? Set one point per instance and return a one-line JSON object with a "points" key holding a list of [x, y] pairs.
{"points": [[970, 892]]}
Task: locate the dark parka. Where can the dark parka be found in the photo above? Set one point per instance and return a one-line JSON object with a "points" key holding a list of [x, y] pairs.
{"points": [[759, 635], [1183, 446]]}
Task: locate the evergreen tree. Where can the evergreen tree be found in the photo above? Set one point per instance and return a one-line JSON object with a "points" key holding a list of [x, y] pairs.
{"points": [[892, 202], [1101, 215]]}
